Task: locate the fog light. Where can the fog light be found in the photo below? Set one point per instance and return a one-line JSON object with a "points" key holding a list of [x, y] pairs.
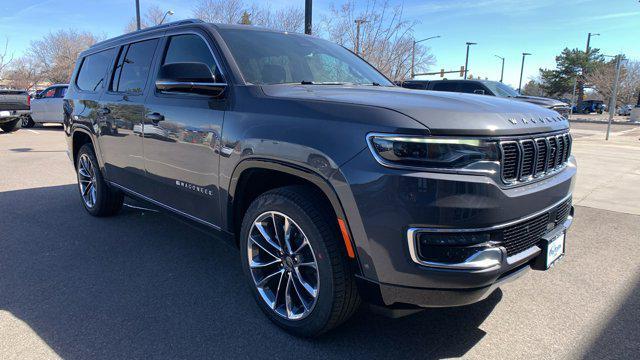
{"points": [[451, 248]]}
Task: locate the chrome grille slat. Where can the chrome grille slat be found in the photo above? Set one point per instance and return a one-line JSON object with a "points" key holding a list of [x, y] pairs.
{"points": [[529, 158]]}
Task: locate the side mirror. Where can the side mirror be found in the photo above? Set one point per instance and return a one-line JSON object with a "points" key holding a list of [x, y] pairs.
{"points": [[189, 77], [478, 91]]}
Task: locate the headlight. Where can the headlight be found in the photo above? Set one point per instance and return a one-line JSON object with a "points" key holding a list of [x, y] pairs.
{"points": [[430, 152]]}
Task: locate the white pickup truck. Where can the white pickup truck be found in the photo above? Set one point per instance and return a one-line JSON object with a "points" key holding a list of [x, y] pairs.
{"points": [[14, 106]]}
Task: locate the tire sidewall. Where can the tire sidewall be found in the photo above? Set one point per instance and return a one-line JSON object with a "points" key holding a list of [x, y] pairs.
{"points": [[319, 316], [100, 186], [11, 126]]}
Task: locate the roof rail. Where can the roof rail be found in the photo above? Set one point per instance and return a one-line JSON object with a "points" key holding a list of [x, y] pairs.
{"points": [[149, 29]]}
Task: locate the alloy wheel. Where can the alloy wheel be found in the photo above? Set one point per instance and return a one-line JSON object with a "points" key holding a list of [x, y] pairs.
{"points": [[283, 265], [87, 180]]}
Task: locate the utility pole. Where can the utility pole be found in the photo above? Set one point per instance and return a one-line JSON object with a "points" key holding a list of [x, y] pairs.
{"points": [[584, 70], [501, 71], [521, 71], [573, 95], [358, 23], [612, 104], [138, 14], [308, 10], [413, 54], [466, 59]]}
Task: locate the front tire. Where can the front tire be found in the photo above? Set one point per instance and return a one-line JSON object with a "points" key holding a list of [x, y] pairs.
{"points": [[97, 197], [296, 263], [27, 122], [11, 126]]}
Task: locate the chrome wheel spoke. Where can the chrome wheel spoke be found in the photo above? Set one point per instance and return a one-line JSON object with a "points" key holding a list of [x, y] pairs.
{"points": [[287, 280], [310, 290], [87, 181], [266, 236]]}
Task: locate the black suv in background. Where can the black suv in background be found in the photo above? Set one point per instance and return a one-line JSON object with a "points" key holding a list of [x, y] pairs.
{"points": [[335, 184], [487, 87]]}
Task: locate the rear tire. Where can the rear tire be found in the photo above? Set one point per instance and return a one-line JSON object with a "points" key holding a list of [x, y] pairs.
{"points": [[27, 122], [98, 198], [336, 296], [11, 126]]}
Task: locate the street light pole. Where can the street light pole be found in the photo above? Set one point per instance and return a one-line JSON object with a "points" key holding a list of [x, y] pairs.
{"points": [[138, 14], [358, 22], [521, 71], [308, 11], [466, 59], [584, 70], [501, 71], [612, 104], [169, 12], [413, 53]]}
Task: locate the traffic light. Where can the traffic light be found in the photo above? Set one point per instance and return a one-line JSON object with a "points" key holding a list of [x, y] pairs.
{"points": [[461, 71], [441, 72]]}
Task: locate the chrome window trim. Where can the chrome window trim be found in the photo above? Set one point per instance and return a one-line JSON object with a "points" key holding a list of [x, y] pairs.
{"points": [[411, 232]]}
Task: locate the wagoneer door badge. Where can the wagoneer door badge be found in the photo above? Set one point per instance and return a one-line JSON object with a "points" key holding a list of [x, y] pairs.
{"points": [[195, 188]]}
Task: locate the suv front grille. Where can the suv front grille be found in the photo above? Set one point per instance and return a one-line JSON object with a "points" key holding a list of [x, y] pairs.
{"points": [[526, 159], [521, 236]]}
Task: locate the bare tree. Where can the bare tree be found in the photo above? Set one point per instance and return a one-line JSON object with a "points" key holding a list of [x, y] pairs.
{"points": [[289, 19], [219, 11], [602, 77], [24, 73], [152, 16], [386, 38], [5, 57], [55, 55]]}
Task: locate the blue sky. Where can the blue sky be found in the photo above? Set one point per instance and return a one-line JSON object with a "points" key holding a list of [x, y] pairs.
{"points": [[502, 27]]}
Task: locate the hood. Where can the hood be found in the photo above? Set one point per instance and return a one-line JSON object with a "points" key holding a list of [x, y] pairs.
{"points": [[444, 113], [542, 101]]}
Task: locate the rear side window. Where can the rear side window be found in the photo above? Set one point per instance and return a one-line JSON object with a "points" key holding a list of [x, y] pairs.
{"points": [[191, 48], [445, 86], [471, 87], [93, 70], [132, 69], [61, 91]]}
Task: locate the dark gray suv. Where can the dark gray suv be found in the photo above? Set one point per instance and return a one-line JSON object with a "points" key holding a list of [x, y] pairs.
{"points": [[335, 184]]}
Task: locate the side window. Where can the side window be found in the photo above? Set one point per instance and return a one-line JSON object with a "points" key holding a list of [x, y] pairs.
{"points": [[471, 87], [49, 93], [93, 70], [445, 86], [132, 69], [190, 48], [61, 91]]}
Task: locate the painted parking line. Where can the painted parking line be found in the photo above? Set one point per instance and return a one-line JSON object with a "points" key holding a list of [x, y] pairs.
{"points": [[33, 131]]}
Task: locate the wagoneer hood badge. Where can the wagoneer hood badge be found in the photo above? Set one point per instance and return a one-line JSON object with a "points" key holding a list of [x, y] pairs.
{"points": [[442, 112]]}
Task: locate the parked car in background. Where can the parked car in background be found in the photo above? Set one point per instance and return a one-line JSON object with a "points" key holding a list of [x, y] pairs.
{"points": [[46, 106], [336, 185], [14, 106], [625, 110], [486, 87], [590, 106]]}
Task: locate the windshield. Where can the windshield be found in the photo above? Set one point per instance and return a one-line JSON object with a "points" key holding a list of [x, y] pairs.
{"points": [[280, 58], [500, 89]]}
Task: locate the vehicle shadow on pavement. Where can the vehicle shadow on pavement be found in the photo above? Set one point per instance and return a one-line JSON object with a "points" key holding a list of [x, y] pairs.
{"points": [[144, 285]]}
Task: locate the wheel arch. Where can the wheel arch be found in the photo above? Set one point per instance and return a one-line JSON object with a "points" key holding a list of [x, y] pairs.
{"points": [[240, 194]]}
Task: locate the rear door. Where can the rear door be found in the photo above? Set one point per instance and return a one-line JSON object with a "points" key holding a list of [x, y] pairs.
{"points": [[122, 113], [55, 107], [40, 105], [182, 132]]}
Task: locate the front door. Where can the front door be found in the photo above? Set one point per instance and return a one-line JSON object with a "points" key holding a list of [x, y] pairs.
{"points": [[40, 106], [122, 115], [181, 133]]}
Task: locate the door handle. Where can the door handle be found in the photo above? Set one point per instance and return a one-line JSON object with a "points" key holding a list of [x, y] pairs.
{"points": [[103, 111], [154, 118]]}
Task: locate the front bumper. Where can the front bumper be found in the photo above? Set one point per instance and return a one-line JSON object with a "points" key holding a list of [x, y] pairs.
{"points": [[384, 206]]}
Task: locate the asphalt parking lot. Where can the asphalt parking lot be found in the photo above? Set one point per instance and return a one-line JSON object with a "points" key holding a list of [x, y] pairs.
{"points": [[146, 285]]}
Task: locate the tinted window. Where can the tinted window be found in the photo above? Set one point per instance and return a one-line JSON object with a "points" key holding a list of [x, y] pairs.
{"points": [[190, 48], [471, 87], [445, 86], [132, 69], [60, 91], [275, 58], [93, 70], [420, 86], [49, 93]]}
